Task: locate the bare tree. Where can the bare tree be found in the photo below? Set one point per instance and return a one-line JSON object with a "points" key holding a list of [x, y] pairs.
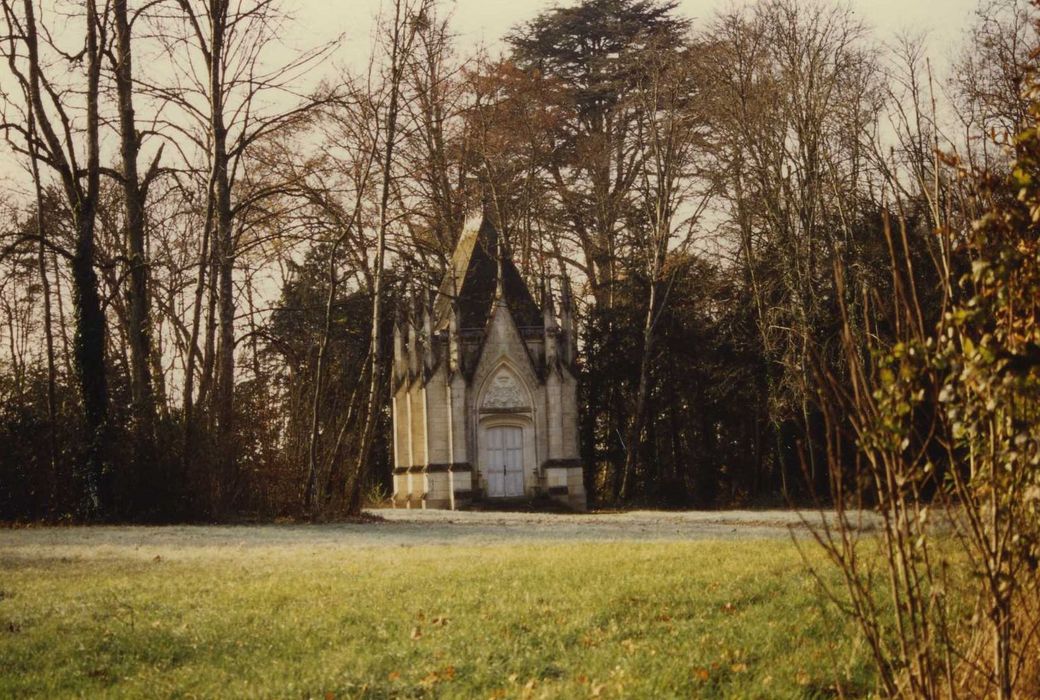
{"points": [[407, 20], [353, 127], [799, 93], [72, 151], [991, 76], [674, 191], [135, 193], [436, 149], [224, 118]]}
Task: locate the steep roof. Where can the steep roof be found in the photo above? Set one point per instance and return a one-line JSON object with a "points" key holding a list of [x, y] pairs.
{"points": [[473, 279]]}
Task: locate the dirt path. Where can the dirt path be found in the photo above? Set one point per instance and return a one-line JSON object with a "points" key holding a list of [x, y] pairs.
{"points": [[404, 528]]}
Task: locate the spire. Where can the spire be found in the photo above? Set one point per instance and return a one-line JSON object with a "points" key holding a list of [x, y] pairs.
{"points": [[551, 330], [569, 330], [400, 363], [548, 310], [413, 350], [500, 288], [565, 292], [454, 342], [427, 330]]}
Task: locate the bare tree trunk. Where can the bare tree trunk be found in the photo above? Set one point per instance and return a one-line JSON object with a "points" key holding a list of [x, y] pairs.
{"points": [[139, 313], [313, 495], [254, 348], [210, 341], [89, 357], [188, 434], [636, 427], [81, 185], [48, 327], [224, 256], [667, 143]]}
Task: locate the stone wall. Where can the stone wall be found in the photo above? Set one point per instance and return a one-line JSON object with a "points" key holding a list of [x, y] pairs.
{"points": [[566, 484]]}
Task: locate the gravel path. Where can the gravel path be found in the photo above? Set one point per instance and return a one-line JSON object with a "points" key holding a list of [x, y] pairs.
{"points": [[404, 528]]}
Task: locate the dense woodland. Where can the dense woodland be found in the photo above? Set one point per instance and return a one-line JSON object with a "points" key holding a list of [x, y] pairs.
{"points": [[210, 238]]}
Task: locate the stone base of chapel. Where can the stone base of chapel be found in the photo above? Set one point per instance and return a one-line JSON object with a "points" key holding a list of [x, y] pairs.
{"points": [[566, 484], [451, 488]]}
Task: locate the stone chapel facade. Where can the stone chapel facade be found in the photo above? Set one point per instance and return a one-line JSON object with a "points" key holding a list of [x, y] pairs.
{"points": [[485, 399]]}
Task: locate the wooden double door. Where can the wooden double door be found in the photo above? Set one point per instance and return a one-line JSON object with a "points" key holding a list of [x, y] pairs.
{"points": [[505, 465]]}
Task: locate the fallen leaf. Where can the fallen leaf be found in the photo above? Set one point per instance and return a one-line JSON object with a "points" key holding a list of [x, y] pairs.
{"points": [[393, 676], [701, 674], [417, 632]]}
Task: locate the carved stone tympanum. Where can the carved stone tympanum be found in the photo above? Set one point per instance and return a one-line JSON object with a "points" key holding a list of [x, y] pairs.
{"points": [[504, 392]]}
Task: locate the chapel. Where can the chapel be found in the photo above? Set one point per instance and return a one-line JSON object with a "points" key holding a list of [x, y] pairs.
{"points": [[485, 404]]}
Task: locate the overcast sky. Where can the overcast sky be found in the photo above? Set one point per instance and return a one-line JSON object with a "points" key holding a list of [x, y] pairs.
{"points": [[487, 21]]}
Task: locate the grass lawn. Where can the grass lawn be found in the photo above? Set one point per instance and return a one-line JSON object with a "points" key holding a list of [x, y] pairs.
{"points": [[653, 620]]}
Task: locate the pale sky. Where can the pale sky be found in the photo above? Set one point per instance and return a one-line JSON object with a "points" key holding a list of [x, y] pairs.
{"points": [[487, 21]]}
